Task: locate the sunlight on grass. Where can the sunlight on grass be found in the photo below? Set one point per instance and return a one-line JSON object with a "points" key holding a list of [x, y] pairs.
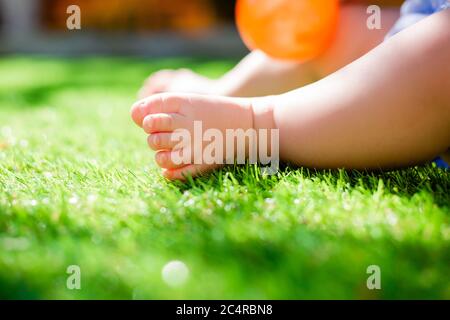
{"points": [[79, 187]]}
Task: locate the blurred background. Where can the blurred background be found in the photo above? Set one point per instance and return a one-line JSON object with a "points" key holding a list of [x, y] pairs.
{"points": [[158, 28]]}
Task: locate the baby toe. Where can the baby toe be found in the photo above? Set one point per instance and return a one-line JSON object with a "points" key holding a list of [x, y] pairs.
{"points": [[137, 112], [162, 122], [191, 170], [171, 159], [158, 103], [156, 83], [162, 141]]}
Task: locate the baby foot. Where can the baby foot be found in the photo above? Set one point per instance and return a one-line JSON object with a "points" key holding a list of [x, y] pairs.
{"points": [[169, 117], [182, 80]]}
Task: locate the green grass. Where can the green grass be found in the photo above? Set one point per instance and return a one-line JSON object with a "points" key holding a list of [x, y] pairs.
{"points": [[78, 186]]}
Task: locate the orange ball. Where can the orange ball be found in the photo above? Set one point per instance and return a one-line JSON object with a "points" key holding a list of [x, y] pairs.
{"points": [[288, 29]]}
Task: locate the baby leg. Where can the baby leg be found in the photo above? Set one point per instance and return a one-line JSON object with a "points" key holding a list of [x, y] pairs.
{"points": [[255, 74], [390, 108]]}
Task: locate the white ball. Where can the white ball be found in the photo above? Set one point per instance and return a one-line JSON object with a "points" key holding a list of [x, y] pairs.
{"points": [[175, 273]]}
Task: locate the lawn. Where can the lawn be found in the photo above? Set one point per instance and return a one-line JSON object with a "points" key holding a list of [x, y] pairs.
{"points": [[78, 186]]}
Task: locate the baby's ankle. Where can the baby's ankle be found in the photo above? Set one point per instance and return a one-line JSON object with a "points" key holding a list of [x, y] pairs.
{"points": [[266, 144], [262, 109]]}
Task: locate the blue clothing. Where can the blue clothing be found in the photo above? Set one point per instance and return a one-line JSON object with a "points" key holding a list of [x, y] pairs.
{"points": [[441, 163], [411, 12]]}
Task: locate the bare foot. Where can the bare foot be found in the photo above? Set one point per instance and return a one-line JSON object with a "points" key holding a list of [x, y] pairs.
{"points": [[164, 116], [182, 80]]}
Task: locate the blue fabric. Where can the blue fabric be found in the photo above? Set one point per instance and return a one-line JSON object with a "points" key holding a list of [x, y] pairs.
{"points": [[414, 10], [441, 163], [411, 12]]}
